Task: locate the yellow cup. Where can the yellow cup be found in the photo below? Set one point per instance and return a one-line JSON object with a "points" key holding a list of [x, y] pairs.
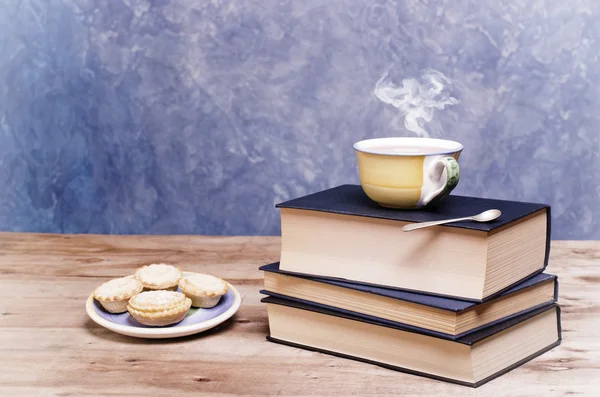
{"points": [[408, 173]]}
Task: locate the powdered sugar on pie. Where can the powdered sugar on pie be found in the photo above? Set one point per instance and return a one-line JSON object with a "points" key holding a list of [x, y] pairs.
{"points": [[157, 299], [159, 308]]}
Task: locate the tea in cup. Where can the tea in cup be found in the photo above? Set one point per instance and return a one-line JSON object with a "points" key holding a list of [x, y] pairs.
{"points": [[407, 172]]}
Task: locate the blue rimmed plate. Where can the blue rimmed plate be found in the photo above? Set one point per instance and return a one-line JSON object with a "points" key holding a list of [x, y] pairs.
{"points": [[197, 320]]}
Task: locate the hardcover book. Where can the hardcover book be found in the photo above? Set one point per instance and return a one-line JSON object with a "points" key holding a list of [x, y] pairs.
{"points": [[447, 318], [340, 233], [471, 360]]}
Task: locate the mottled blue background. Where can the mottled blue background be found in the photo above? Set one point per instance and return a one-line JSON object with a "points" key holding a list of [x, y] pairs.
{"points": [[197, 116]]}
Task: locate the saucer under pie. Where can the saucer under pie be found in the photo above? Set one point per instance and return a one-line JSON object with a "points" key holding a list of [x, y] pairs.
{"points": [[203, 289], [159, 308], [113, 295], [159, 276]]}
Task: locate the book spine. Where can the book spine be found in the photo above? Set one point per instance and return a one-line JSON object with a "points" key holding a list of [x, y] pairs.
{"points": [[548, 236], [558, 320]]}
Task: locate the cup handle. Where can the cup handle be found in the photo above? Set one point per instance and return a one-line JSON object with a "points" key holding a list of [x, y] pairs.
{"points": [[435, 174]]}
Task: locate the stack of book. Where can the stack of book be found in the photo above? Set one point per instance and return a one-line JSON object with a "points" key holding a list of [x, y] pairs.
{"points": [[462, 302]]}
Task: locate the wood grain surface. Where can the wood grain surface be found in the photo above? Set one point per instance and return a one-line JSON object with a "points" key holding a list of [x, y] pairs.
{"points": [[49, 347]]}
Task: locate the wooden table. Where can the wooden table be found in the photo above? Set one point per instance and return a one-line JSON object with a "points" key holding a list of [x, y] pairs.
{"points": [[49, 346]]}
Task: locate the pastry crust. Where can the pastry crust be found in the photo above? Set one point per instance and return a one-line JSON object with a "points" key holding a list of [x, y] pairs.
{"points": [[204, 290], [159, 276], [159, 308], [114, 295]]}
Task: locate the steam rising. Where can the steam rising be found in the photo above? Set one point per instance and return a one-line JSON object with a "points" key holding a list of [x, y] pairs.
{"points": [[416, 101]]}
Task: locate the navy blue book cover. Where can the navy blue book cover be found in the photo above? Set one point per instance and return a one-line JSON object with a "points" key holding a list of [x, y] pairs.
{"points": [[469, 340], [449, 304], [439, 302], [351, 200], [466, 340], [395, 324]]}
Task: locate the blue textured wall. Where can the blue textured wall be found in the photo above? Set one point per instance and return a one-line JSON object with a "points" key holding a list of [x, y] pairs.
{"points": [[196, 116]]}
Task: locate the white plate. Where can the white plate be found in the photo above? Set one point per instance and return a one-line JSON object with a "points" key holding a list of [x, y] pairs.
{"points": [[198, 320]]}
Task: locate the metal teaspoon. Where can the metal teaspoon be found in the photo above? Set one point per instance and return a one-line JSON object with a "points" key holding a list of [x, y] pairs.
{"points": [[485, 216]]}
